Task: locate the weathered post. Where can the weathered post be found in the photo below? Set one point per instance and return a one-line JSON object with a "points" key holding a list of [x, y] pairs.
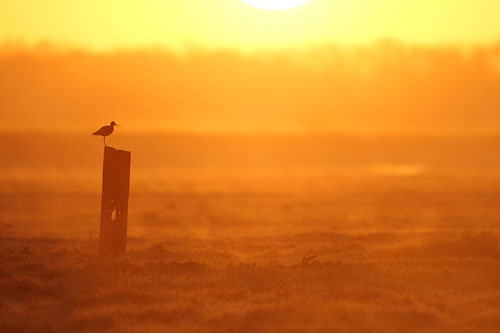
{"points": [[114, 204]]}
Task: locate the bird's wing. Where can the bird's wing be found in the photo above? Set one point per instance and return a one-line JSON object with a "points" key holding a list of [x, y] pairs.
{"points": [[99, 131]]}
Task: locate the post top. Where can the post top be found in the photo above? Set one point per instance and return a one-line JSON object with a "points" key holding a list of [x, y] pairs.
{"points": [[114, 150]]}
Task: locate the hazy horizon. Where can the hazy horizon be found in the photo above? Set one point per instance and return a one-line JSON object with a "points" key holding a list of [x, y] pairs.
{"points": [[383, 88]]}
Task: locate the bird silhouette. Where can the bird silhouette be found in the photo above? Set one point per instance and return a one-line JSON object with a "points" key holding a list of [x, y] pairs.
{"points": [[106, 130]]}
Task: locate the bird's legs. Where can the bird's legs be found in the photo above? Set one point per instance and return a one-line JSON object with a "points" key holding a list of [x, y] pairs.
{"points": [[104, 138]]}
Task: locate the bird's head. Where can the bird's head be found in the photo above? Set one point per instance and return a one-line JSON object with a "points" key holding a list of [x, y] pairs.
{"points": [[113, 124]]}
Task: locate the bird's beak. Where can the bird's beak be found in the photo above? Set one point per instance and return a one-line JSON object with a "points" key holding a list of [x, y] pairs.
{"points": [[119, 126]]}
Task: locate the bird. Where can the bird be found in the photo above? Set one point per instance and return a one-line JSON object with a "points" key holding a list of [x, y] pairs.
{"points": [[106, 130]]}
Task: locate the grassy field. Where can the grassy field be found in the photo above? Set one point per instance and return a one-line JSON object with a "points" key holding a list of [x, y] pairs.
{"points": [[362, 259], [303, 282], [396, 249]]}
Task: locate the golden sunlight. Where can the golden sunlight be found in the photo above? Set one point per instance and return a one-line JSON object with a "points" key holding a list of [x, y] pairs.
{"points": [[276, 4], [283, 166]]}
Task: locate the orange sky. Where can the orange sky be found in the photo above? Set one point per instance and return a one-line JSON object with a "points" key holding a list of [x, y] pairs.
{"points": [[107, 24]]}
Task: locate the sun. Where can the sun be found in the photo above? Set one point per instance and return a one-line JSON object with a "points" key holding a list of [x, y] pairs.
{"points": [[276, 4]]}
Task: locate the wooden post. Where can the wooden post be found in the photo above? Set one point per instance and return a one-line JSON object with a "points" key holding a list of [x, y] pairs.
{"points": [[114, 204]]}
